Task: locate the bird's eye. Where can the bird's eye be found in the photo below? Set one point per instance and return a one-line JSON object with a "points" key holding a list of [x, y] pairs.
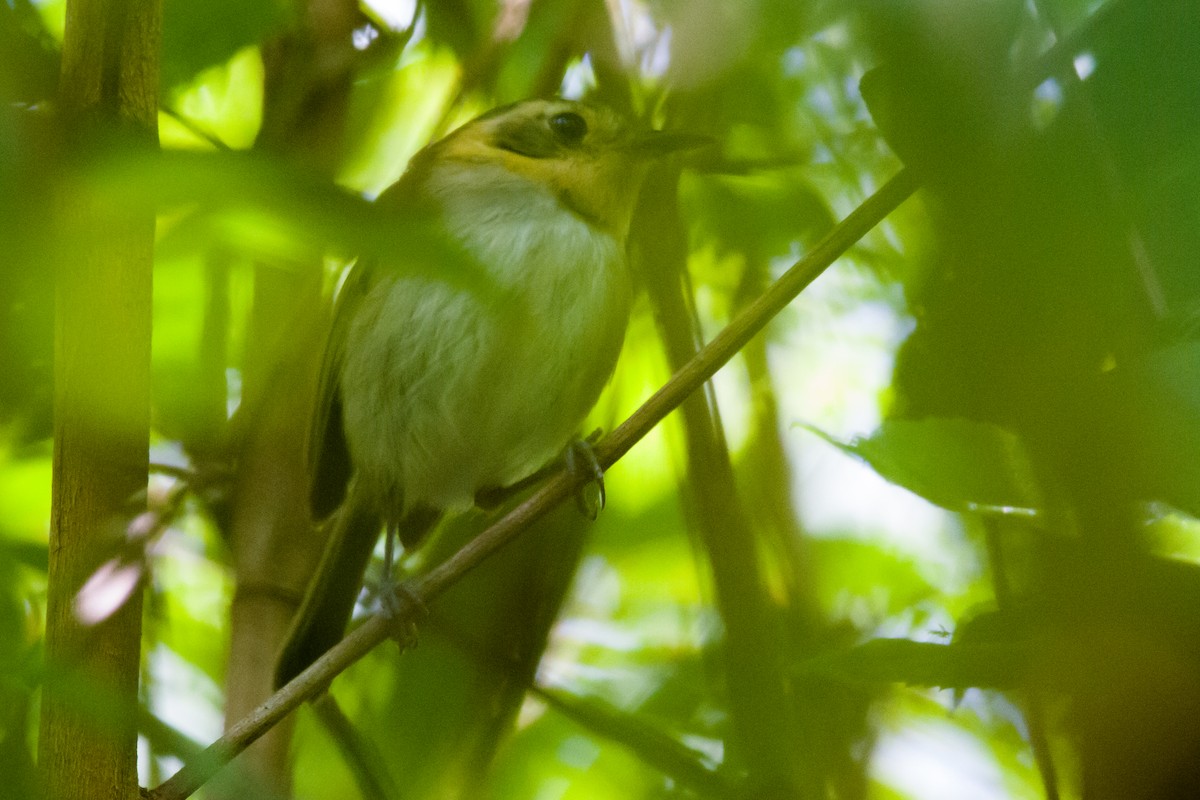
{"points": [[568, 127]]}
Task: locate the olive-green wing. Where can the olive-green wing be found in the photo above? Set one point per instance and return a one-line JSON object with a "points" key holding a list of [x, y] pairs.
{"points": [[351, 523], [328, 453]]}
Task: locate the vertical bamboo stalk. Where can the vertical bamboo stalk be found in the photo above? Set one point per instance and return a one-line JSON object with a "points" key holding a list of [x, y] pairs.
{"points": [[109, 89]]}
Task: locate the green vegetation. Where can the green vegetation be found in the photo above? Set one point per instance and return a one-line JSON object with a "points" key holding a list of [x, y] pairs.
{"points": [[931, 534]]}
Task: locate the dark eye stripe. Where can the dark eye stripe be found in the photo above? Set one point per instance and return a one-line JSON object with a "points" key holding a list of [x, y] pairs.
{"points": [[536, 136]]}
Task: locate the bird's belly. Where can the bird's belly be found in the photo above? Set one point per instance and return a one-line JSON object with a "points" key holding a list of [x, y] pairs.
{"points": [[469, 391]]}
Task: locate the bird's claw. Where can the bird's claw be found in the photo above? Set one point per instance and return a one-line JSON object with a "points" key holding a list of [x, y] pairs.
{"points": [[395, 598], [582, 463]]}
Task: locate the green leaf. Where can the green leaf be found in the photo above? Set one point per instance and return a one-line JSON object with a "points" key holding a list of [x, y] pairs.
{"points": [[199, 35], [958, 464], [263, 207], [1154, 402], [958, 666]]}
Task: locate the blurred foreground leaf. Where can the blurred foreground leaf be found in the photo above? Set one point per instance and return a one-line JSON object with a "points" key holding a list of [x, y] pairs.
{"points": [[199, 35], [264, 208], [957, 666], [957, 464], [1155, 404]]}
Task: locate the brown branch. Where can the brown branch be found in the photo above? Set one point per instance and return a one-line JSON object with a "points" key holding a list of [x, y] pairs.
{"points": [[424, 589]]}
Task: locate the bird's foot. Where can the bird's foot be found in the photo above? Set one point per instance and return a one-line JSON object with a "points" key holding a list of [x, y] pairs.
{"points": [[398, 603], [583, 464], [396, 598]]}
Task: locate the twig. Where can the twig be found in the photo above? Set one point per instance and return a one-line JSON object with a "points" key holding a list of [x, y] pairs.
{"points": [[650, 745], [196, 129], [426, 588], [364, 760], [172, 471]]}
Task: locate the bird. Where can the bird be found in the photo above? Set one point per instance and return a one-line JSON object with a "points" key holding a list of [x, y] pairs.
{"points": [[435, 389]]}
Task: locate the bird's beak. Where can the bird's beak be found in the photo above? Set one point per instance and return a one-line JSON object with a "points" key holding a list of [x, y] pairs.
{"points": [[654, 144]]}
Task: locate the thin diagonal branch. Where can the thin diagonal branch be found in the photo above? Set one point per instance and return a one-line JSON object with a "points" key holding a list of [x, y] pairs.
{"points": [[650, 745], [425, 588]]}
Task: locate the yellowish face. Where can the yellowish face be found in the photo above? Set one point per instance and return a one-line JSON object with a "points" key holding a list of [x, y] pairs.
{"points": [[584, 154]]}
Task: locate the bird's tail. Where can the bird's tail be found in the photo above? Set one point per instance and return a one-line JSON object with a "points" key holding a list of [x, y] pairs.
{"points": [[322, 617]]}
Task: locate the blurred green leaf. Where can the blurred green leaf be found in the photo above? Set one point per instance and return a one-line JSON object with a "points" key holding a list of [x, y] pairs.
{"points": [[1155, 403], [28, 56], [34, 555], [461, 24], [263, 208], [958, 666], [957, 464], [687, 766], [200, 35], [758, 216], [867, 570]]}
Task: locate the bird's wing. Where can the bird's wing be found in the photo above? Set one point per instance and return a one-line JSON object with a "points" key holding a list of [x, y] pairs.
{"points": [[329, 463], [351, 523], [328, 454]]}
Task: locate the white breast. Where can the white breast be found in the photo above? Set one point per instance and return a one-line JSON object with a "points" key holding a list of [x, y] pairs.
{"points": [[449, 389]]}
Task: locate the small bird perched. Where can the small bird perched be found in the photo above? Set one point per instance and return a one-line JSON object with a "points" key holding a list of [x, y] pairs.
{"points": [[432, 390]]}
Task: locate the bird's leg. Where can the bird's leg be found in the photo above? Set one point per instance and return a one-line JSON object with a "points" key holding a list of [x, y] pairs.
{"points": [[390, 590], [387, 580], [493, 497]]}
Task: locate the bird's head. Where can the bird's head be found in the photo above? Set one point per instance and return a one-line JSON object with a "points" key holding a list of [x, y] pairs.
{"points": [[588, 156]]}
